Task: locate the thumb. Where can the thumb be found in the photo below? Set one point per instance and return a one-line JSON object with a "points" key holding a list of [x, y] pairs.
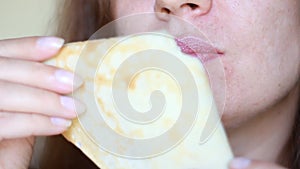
{"points": [[244, 163]]}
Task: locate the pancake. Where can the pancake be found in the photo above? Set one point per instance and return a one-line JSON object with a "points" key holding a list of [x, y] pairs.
{"points": [[148, 104]]}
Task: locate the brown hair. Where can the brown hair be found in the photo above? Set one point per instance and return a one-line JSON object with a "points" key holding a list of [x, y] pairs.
{"points": [[295, 140], [79, 19]]}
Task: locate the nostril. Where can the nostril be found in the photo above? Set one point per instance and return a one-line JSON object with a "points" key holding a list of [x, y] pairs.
{"points": [[165, 10], [191, 6]]}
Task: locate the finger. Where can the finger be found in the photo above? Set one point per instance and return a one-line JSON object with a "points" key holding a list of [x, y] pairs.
{"points": [[19, 98], [31, 48], [20, 150], [244, 163], [19, 125], [38, 75]]}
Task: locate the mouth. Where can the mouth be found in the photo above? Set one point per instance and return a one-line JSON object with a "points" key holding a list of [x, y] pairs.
{"points": [[197, 47]]}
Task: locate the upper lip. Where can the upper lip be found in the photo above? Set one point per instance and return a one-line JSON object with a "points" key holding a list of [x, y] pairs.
{"points": [[198, 47]]}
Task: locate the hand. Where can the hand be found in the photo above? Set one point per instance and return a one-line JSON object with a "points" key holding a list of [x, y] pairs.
{"points": [[32, 100], [243, 163]]}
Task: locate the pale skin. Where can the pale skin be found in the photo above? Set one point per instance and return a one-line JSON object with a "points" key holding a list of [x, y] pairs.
{"points": [[260, 38], [26, 88]]}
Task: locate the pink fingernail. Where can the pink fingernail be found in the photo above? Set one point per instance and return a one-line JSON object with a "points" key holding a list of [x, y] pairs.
{"points": [[61, 122], [72, 105], [50, 43], [240, 163], [68, 78]]}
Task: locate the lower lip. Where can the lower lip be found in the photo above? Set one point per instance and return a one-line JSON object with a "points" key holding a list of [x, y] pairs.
{"points": [[207, 57], [205, 54]]}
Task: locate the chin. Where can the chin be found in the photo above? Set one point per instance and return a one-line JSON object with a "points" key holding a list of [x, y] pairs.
{"points": [[232, 120], [229, 122]]}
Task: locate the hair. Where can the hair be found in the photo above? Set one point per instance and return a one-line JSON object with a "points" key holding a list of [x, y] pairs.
{"points": [[79, 19], [295, 139]]}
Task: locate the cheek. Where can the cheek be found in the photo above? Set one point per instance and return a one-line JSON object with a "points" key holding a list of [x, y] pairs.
{"points": [[260, 64], [262, 58], [253, 88]]}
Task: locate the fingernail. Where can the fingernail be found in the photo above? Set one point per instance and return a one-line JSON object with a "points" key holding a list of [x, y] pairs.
{"points": [[240, 163], [50, 43], [72, 105], [68, 78], [61, 122]]}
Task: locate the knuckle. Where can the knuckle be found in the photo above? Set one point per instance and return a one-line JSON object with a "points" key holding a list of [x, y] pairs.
{"points": [[36, 67], [45, 96], [40, 70], [3, 61], [4, 115], [3, 48], [4, 121], [47, 99]]}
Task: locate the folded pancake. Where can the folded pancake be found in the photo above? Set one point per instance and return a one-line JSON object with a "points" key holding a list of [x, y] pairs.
{"points": [[147, 105]]}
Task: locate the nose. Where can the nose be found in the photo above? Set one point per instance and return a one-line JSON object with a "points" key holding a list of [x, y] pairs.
{"points": [[182, 8]]}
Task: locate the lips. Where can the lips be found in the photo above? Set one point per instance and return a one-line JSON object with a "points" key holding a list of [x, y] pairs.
{"points": [[196, 47]]}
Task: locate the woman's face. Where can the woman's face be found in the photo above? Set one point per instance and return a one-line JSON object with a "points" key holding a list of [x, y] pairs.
{"points": [[260, 40]]}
